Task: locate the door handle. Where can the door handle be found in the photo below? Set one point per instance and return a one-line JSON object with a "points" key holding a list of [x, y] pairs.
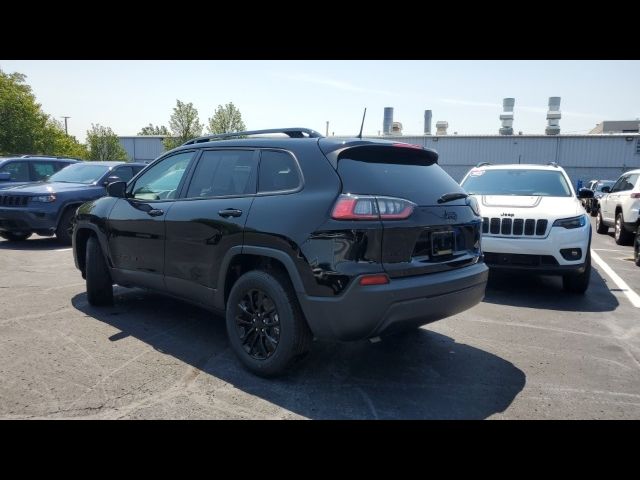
{"points": [[154, 212], [230, 212]]}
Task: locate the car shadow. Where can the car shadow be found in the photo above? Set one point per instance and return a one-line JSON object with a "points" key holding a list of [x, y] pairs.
{"points": [[521, 289], [422, 375], [33, 243]]}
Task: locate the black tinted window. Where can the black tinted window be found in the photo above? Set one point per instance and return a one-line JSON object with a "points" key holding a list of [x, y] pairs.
{"points": [[223, 173], [278, 172], [123, 173], [422, 184], [19, 171]]}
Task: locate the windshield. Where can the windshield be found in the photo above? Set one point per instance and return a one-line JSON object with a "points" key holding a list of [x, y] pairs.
{"points": [[79, 173], [604, 184], [523, 182]]}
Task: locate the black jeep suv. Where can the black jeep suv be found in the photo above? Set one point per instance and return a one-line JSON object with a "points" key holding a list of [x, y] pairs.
{"points": [[290, 238]]}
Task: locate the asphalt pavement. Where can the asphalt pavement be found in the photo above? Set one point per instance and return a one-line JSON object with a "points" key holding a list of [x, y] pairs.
{"points": [[528, 351]]}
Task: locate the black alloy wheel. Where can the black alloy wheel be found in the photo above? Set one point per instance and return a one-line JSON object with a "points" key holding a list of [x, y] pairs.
{"points": [[258, 324]]}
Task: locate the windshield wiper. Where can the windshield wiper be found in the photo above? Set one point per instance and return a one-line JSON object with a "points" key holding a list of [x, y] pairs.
{"points": [[447, 197]]}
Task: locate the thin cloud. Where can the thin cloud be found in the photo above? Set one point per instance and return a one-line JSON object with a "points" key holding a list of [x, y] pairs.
{"points": [[523, 108], [470, 103], [328, 82]]}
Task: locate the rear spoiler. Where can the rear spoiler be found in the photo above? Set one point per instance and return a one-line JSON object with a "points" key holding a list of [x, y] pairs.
{"points": [[366, 151]]}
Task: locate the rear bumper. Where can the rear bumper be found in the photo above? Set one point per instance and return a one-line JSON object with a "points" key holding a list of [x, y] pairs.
{"points": [[26, 220], [365, 312]]}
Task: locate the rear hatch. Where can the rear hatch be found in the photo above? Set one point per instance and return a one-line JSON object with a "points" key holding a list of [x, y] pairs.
{"points": [[434, 236]]}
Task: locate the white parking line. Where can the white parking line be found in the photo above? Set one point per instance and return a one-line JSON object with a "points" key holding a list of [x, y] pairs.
{"points": [[622, 285], [609, 250], [63, 249]]}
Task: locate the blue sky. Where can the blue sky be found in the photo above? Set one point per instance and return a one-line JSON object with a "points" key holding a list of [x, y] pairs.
{"points": [[126, 95]]}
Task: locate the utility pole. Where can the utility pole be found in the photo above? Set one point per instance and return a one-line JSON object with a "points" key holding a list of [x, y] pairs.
{"points": [[65, 125], [327, 132]]}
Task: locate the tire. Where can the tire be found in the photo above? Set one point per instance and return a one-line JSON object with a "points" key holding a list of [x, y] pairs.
{"points": [[64, 232], [278, 311], [622, 236], [578, 283], [99, 283], [601, 228], [636, 248], [15, 237], [594, 210]]}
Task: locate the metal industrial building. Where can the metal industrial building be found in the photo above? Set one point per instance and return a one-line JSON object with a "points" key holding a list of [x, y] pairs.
{"points": [[142, 148], [583, 156]]}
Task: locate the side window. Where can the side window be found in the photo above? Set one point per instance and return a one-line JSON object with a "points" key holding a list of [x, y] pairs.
{"points": [[631, 181], [123, 173], [618, 185], [136, 169], [162, 180], [278, 172], [224, 173], [57, 166], [19, 171], [43, 170]]}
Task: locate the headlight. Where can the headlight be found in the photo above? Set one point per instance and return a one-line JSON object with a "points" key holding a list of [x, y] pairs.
{"points": [[573, 222], [473, 203], [44, 198]]}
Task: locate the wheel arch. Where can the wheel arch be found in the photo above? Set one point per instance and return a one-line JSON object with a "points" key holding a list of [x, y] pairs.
{"points": [[80, 238], [240, 259]]}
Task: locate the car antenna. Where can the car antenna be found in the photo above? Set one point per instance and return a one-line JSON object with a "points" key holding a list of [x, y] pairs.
{"points": [[362, 125]]}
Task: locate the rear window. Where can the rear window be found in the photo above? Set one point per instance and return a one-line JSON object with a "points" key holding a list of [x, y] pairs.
{"points": [[391, 174], [516, 182]]}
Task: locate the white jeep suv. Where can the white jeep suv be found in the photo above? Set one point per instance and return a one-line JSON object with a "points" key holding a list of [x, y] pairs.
{"points": [[533, 221], [619, 208]]}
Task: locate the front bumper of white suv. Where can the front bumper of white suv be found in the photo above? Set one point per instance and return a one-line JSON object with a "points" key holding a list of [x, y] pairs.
{"points": [[560, 251]]}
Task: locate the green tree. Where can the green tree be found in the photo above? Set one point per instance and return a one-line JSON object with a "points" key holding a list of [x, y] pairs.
{"points": [[151, 129], [57, 142], [104, 145], [184, 124], [22, 121], [226, 119], [25, 128]]}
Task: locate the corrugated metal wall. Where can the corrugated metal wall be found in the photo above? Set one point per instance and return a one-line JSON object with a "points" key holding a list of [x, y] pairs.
{"points": [[142, 148], [583, 157]]}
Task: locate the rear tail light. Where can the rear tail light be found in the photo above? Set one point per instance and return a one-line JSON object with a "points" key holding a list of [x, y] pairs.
{"points": [[377, 279], [635, 195], [368, 207]]}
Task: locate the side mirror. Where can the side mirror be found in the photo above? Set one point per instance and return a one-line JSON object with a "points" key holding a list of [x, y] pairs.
{"points": [[585, 193], [5, 177], [111, 179], [117, 189], [606, 189]]}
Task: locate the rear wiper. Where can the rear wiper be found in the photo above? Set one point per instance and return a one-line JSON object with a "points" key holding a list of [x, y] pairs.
{"points": [[447, 197]]}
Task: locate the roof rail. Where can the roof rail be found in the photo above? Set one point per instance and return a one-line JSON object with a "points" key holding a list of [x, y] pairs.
{"points": [[553, 164], [291, 132], [46, 156], [482, 164]]}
